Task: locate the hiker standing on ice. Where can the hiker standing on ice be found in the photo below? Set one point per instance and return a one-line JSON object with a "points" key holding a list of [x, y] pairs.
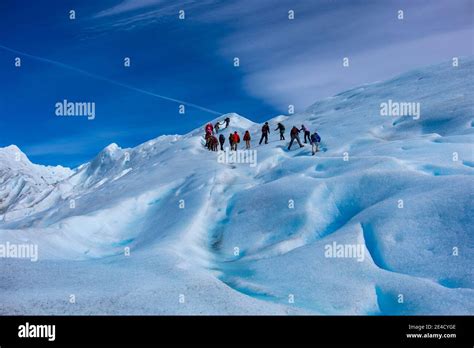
{"points": [[216, 127], [265, 131], [235, 140], [315, 140], [222, 141], [214, 143], [208, 139], [294, 134], [306, 133], [247, 139], [211, 143], [231, 141], [227, 121], [281, 127]]}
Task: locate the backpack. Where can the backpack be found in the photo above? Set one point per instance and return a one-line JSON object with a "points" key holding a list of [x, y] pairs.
{"points": [[315, 138]]}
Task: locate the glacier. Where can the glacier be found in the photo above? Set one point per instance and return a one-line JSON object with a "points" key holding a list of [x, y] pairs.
{"points": [[165, 228]]}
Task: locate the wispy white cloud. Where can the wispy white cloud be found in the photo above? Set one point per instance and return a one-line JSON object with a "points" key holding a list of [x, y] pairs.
{"points": [[299, 61], [132, 15], [302, 81], [127, 6]]}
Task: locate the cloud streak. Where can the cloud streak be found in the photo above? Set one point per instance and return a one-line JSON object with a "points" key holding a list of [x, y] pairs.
{"points": [[127, 6], [111, 81]]}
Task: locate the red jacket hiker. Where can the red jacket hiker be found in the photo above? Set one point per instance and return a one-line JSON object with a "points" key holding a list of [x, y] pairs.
{"points": [[236, 138], [247, 139], [209, 128]]}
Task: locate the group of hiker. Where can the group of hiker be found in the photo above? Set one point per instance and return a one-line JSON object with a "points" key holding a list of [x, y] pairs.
{"points": [[212, 142], [314, 139]]}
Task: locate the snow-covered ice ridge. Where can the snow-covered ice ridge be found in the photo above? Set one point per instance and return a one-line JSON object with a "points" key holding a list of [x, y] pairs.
{"points": [[213, 238]]}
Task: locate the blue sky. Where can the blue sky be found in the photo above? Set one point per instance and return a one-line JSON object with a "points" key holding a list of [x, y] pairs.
{"points": [[282, 62]]}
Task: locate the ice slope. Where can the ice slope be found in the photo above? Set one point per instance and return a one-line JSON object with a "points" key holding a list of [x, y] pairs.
{"points": [[25, 187], [225, 236]]}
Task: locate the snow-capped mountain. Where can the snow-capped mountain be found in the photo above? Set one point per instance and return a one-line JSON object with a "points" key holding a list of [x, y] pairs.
{"points": [[241, 239]]}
